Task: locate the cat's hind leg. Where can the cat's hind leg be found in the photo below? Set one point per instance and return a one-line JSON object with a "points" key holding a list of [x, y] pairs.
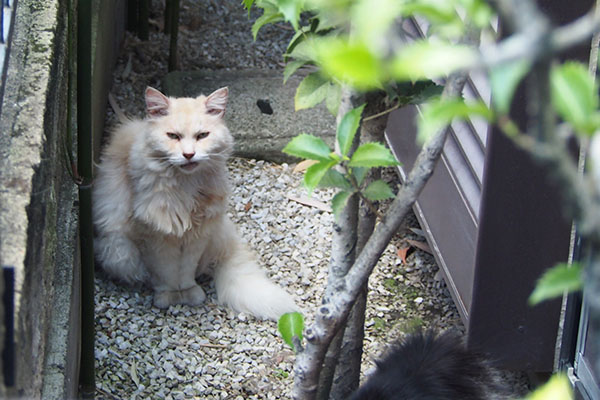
{"points": [[192, 296], [119, 257]]}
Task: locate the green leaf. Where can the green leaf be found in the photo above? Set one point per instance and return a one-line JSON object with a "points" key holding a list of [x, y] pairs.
{"points": [[439, 114], [555, 281], [311, 91], [316, 172], [290, 68], [424, 59], [372, 154], [248, 4], [327, 21], [504, 80], [436, 12], [424, 91], [359, 174], [266, 18], [290, 325], [291, 10], [557, 388], [333, 98], [303, 50], [346, 130], [371, 19], [333, 178], [309, 147], [479, 12], [298, 38], [575, 96], [339, 202], [351, 62], [378, 190]]}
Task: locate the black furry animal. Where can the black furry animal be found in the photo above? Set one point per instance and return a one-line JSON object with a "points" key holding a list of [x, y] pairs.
{"points": [[425, 366]]}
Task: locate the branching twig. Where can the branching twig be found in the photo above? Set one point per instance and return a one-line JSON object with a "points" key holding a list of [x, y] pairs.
{"points": [[383, 113]]}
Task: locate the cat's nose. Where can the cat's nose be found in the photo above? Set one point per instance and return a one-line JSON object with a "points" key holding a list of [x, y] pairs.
{"points": [[188, 156]]}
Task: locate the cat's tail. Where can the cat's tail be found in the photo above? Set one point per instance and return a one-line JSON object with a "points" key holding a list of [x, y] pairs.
{"points": [[242, 285]]}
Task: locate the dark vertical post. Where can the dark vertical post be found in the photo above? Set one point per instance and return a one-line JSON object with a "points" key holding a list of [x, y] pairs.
{"points": [[84, 167], [144, 14], [132, 15], [174, 30], [167, 16], [2, 23], [8, 304]]}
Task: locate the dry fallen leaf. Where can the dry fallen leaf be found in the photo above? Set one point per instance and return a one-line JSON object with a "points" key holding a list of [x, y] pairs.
{"points": [[420, 245], [303, 165], [133, 373], [308, 201], [248, 206], [403, 253]]}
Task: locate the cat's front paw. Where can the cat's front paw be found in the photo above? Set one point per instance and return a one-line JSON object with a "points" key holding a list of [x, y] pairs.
{"points": [[193, 296], [164, 299]]}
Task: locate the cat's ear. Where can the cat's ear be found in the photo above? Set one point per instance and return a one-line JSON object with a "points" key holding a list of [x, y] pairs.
{"points": [[157, 104], [217, 102]]}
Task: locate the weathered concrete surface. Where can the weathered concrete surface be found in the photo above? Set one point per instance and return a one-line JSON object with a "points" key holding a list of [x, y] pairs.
{"points": [[257, 135], [38, 215]]}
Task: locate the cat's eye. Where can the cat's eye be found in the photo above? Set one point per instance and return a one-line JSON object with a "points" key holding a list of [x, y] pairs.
{"points": [[173, 136], [201, 135]]}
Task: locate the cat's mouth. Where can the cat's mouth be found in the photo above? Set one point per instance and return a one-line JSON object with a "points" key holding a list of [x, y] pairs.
{"points": [[189, 166]]}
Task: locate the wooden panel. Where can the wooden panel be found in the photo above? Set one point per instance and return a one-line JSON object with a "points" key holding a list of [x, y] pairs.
{"points": [[447, 206], [521, 233], [493, 234]]}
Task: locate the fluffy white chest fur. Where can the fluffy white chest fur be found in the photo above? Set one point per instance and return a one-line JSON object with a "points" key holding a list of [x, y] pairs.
{"points": [[159, 208]]}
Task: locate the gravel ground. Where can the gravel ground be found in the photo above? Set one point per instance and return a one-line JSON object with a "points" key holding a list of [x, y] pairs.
{"points": [[210, 351]]}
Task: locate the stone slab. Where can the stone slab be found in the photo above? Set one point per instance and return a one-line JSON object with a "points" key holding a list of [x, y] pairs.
{"points": [[257, 135]]}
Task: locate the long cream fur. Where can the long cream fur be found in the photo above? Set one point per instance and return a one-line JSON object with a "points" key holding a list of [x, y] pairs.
{"points": [[160, 202]]}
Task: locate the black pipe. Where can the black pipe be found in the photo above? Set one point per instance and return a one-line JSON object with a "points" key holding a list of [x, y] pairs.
{"points": [[174, 30], [144, 14], [84, 168]]}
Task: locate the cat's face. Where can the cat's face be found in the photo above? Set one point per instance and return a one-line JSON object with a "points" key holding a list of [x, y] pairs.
{"points": [[186, 132]]}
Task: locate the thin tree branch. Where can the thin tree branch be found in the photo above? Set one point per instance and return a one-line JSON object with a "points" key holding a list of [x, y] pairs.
{"points": [[382, 113], [347, 372], [536, 40], [343, 254]]}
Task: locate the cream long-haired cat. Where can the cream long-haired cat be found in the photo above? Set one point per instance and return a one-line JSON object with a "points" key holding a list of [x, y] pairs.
{"points": [[160, 202]]}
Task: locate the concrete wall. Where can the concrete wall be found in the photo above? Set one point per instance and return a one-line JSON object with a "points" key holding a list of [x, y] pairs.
{"points": [[38, 209], [38, 196]]}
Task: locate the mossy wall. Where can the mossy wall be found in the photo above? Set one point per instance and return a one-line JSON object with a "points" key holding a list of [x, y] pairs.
{"points": [[38, 214]]}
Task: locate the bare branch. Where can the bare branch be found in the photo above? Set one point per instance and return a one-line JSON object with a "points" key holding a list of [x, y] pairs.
{"points": [[343, 254], [347, 372]]}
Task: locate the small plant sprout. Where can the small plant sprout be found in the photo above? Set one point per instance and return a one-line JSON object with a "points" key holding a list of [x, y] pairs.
{"points": [[349, 177]]}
